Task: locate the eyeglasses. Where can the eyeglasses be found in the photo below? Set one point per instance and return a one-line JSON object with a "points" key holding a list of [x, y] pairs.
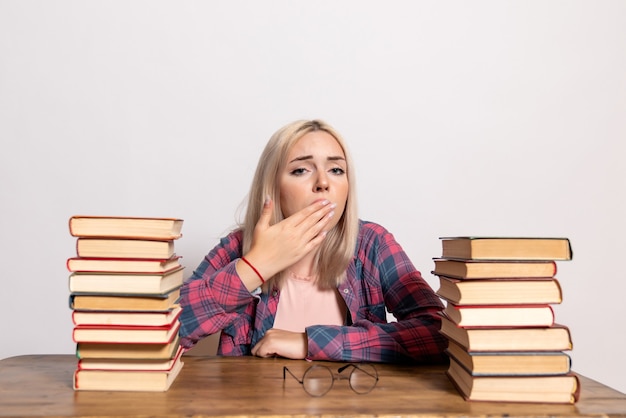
{"points": [[318, 380]]}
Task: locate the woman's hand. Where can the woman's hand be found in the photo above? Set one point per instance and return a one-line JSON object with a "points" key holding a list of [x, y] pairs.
{"points": [[278, 342], [276, 247]]}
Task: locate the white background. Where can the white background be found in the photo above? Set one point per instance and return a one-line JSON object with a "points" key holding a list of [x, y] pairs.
{"points": [[464, 118]]}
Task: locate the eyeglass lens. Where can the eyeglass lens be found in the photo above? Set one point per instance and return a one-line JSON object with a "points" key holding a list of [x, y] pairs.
{"points": [[318, 380], [363, 378]]}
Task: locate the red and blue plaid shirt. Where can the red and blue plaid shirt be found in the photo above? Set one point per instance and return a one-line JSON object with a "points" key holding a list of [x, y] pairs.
{"points": [[380, 277]]}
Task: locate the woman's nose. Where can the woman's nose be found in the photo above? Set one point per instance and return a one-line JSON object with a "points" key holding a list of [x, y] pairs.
{"points": [[321, 183]]}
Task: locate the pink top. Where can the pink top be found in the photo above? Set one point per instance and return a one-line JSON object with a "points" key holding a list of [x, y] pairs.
{"points": [[303, 304]]}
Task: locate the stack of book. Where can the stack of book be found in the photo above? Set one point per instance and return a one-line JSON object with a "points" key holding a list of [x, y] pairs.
{"points": [[503, 341], [124, 286]]}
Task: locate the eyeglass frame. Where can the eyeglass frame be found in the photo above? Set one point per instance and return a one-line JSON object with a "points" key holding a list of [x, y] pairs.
{"points": [[332, 375]]}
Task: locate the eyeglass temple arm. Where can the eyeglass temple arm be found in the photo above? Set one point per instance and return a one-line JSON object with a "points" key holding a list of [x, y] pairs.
{"points": [[342, 368], [286, 370]]}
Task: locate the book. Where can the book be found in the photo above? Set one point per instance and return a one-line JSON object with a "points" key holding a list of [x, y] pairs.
{"points": [[510, 363], [493, 269], [506, 248], [500, 291], [127, 227], [127, 350], [127, 380], [500, 315], [124, 248], [123, 265], [554, 338], [114, 302], [120, 334], [126, 283], [120, 318], [129, 363], [541, 389]]}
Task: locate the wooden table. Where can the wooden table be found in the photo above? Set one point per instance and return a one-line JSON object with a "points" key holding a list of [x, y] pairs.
{"points": [[41, 385]]}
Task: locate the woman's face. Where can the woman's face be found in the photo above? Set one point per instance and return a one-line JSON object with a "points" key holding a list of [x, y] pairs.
{"points": [[316, 169]]}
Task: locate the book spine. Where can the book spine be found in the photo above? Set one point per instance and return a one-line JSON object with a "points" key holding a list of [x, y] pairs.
{"points": [[558, 285], [71, 226]]}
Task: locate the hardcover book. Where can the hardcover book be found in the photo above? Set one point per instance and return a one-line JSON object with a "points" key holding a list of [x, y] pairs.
{"points": [[491, 269], [123, 318], [127, 380], [123, 265], [500, 291], [124, 248], [117, 302], [127, 350], [510, 363], [125, 227], [129, 335], [541, 389], [506, 248], [129, 363], [554, 338], [500, 315], [126, 283]]}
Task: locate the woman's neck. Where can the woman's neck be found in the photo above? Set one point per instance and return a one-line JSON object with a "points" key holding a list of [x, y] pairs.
{"points": [[305, 268]]}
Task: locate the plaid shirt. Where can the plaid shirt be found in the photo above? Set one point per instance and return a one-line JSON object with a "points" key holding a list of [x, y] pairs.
{"points": [[380, 277]]}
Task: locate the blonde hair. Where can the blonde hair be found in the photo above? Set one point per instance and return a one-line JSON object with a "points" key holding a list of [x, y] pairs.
{"points": [[337, 250]]}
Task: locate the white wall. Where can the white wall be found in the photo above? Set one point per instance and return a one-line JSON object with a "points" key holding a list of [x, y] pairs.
{"points": [[480, 118]]}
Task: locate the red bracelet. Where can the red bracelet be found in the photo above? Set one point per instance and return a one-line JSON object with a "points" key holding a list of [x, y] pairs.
{"points": [[252, 267]]}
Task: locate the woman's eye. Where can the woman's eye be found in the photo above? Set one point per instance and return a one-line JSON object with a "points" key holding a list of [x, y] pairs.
{"points": [[297, 172], [337, 171]]}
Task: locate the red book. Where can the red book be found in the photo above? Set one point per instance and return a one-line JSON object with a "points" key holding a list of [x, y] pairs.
{"points": [[123, 334], [123, 318]]}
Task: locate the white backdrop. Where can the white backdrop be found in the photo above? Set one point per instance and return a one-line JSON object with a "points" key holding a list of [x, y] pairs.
{"points": [[464, 118]]}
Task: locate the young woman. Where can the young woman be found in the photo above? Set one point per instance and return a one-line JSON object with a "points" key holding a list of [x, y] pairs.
{"points": [[304, 277]]}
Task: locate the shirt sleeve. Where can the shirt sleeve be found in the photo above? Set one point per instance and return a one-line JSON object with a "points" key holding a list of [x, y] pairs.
{"points": [[214, 298], [383, 278]]}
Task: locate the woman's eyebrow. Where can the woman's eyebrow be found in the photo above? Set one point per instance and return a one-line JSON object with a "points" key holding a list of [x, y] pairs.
{"points": [[302, 158], [310, 157]]}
